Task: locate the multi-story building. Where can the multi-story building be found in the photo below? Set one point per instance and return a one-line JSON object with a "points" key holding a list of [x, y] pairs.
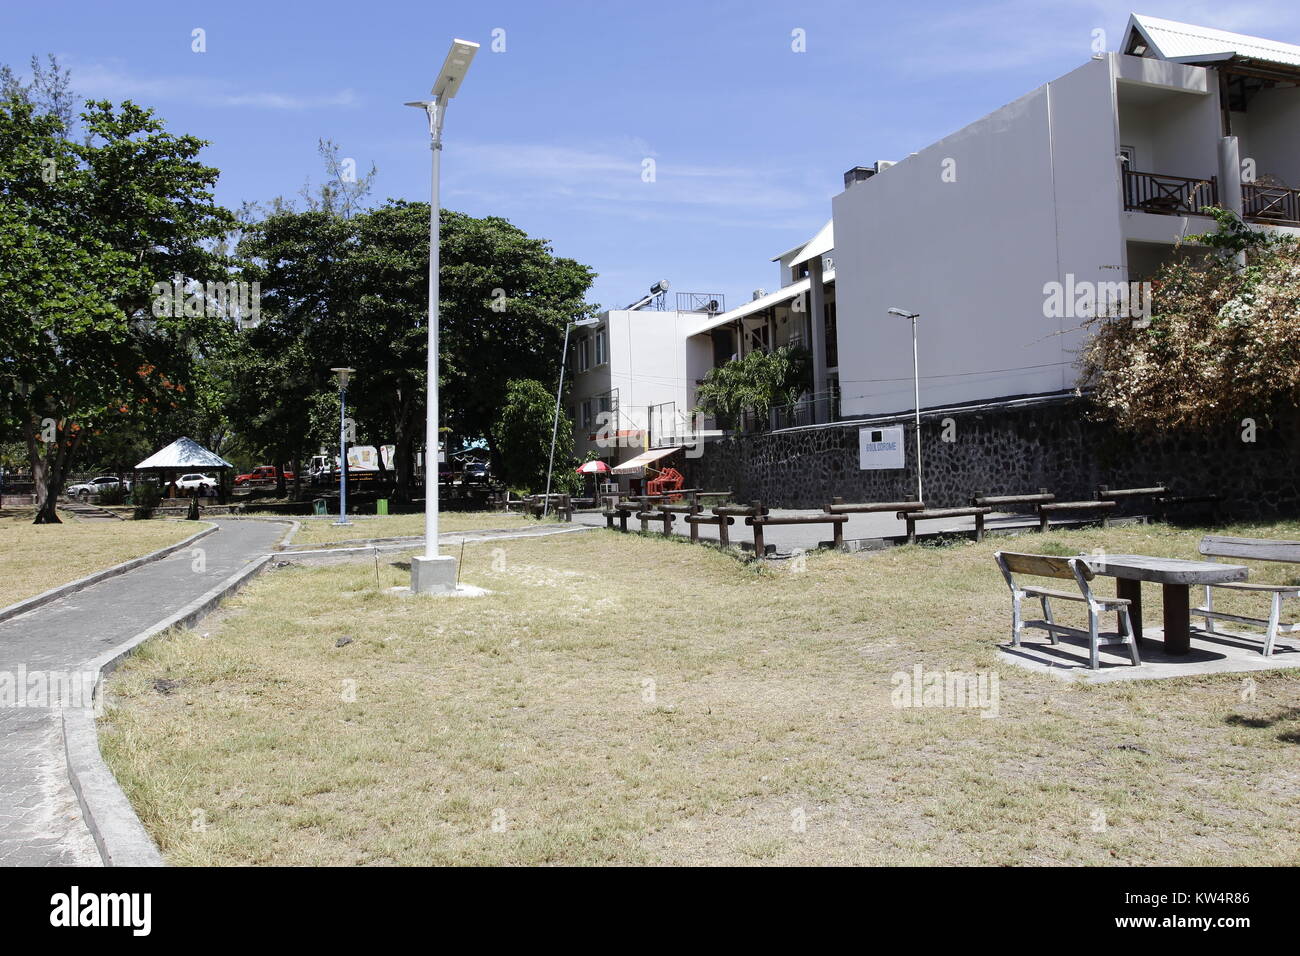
{"points": [[1008, 237], [1093, 179]]}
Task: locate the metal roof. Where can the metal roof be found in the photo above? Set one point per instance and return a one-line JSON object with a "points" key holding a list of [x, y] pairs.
{"points": [[183, 453], [1188, 43]]}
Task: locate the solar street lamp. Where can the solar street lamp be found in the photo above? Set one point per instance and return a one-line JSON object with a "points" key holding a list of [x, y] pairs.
{"points": [[432, 573]]}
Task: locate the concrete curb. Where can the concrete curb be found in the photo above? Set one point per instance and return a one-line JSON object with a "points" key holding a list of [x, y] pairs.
{"points": [[120, 836], [45, 597]]}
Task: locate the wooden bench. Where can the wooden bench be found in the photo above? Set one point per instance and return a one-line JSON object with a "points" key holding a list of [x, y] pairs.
{"points": [[618, 509], [759, 522], [1122, 496], [1012, 563], [1252, 549], [722, 521], [1102, 508], [1000, 502], [751, 510], [838, 507], [912, 517], [1182, 502], [1105, 493]]}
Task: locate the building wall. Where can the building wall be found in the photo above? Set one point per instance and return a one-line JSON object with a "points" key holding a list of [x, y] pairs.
{"points": [[1272, 135], [1036, 196], [652, 361], [1010, 450]]}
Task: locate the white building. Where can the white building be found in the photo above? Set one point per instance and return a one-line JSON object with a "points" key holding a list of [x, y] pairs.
{"points": [[1092, 178], [1090, 181]]}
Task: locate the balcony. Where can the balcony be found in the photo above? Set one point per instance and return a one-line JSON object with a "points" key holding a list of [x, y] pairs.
{"points": [[1185, 196], [1168, 195], [1276, 205]]}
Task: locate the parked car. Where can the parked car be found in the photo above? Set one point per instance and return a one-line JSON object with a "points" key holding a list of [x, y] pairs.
{"points": [[476, 473], [206, 484], [88, 489], [262, 475]]}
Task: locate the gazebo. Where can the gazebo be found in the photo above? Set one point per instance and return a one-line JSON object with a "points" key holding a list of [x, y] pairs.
{"points": [[184, 454]]}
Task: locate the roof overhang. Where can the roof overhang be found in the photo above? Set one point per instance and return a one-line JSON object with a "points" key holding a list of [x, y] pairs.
{"points": [[633, 465], [780, 296]]}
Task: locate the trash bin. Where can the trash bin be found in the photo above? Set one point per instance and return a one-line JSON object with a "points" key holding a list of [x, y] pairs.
{"points": [[381, 506], [319, 506]]}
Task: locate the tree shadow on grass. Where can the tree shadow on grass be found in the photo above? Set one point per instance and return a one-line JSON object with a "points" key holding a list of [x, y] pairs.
{"points": [[1260, 723]]}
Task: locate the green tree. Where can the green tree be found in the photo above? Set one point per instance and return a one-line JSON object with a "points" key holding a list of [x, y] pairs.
{"points": [[354, 291], [756, 383], [522, 436], [87, 229]]}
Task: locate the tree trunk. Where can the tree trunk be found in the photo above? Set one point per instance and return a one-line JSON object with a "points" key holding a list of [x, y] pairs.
{"points": [[403, 459], [48, 471], [297, 479], [281, 489]]}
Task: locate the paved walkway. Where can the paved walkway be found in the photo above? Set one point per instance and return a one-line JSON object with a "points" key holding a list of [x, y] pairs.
{"points": [[40, 820]]}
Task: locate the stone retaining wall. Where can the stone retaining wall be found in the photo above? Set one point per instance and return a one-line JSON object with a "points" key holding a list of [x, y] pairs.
{"points": [[1010, 450]]}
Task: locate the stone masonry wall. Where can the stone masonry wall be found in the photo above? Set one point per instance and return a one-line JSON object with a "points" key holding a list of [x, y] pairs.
{"points": [[1010, 450]]}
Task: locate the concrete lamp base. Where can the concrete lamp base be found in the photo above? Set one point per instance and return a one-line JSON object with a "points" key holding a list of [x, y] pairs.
{"points": [[433, 575]]}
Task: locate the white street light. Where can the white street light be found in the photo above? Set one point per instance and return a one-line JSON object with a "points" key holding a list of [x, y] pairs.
{"points": [[432, 573], [916, 392], [555, 427], [344, 374]]}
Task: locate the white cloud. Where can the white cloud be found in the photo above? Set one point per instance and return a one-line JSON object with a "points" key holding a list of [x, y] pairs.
{"points": [[609, 177], [110, 81]]}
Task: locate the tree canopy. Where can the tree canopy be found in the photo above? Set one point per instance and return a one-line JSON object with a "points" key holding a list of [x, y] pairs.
{"points": [[756, 383], [88, 229]]}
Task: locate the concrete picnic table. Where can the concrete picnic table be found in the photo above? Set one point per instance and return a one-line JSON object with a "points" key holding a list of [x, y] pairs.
{"points": [[1176, 576]]}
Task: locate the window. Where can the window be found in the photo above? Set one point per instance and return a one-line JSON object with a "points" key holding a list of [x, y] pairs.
{"points": [[1126, 157], [601, 358], [584, 419], [584, 354]]}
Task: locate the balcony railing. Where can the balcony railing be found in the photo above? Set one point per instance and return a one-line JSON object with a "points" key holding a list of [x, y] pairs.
{"points": [[1168, 195], [812, 409], [1272, 204]]}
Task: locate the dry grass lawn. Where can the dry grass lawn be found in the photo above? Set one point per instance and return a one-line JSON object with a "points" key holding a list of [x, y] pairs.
{"points": [[35, 558], [323, 531], [620, 699]]}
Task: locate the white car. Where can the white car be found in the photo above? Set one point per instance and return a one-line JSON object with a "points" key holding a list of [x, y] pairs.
{"points": [[88, 489], [206, 484]]}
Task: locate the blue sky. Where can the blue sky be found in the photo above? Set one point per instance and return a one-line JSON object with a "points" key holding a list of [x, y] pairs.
{"points": [[750, 139]]}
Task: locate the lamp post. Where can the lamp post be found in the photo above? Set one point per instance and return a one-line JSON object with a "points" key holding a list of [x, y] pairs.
{"points": [[916, 393], [343, 375], [432, 573], [555, 426]]}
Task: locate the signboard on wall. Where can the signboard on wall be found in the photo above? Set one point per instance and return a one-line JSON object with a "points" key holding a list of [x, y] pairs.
{"points": [[880, 448]]}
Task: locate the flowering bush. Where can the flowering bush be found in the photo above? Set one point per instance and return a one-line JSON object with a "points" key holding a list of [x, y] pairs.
{"points": [[1222, 340]]}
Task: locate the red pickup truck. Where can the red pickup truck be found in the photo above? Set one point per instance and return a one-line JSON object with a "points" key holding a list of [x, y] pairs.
{"points": [[262, 475]]}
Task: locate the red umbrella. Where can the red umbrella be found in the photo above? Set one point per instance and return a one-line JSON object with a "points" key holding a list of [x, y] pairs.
{"points": [[596, 467]]}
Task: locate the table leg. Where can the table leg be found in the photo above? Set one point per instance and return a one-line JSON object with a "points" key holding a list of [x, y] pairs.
{"points": [[1178, 635], [1132, 590]]}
